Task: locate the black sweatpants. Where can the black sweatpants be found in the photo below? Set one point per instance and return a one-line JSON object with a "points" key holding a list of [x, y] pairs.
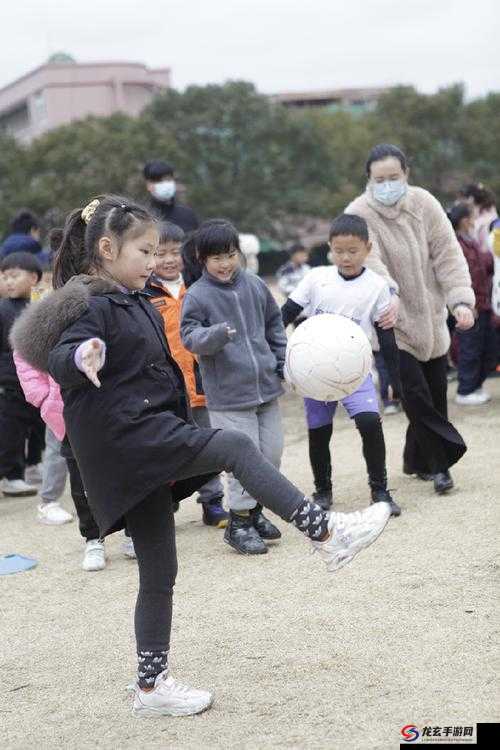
{"points": [[18, 421], [432, 442], [369, 427], [151, 526], [477, 354]]}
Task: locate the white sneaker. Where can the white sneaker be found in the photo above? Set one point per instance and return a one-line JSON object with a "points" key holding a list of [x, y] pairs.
{"points": [[128, 548], [471, 399], [53, 515], [17, 488], [350, 533], [95, 556], [170, 698], [33, 474], [484, 393]]}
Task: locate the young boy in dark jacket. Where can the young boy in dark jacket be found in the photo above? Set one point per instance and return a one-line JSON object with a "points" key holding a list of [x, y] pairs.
{"points": [[18, 418], [477, 355], [231, 321]]}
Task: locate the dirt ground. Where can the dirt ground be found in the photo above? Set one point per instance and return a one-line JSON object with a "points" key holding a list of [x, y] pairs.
{"points": [[298, 658]]}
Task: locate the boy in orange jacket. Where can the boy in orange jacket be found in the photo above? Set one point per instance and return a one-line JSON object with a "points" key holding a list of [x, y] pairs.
{"points": [[166, 290]]}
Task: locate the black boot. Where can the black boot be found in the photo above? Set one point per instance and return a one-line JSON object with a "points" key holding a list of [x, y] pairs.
{"points": [[323, 498], [384, 496], [242, 536], [420, 474], [443, 482], [263, 526]]}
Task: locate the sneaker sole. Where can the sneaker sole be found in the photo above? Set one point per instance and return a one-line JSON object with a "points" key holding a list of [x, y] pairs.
{"points": [[93, 570], [53, 523], [25, 493], [155, 713], [444, 490], [242, 552]]}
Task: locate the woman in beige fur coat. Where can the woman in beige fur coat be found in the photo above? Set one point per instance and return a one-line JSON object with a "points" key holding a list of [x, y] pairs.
{"points": [[415, 248]]}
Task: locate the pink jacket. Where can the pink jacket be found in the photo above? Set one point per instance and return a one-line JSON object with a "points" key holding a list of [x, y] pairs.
{"points": [[44, 393]]}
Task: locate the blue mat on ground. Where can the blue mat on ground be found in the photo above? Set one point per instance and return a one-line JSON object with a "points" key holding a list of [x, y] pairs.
{"points": [[15, 564]]}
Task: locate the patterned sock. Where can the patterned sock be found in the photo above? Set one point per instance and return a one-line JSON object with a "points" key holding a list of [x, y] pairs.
{"points": [[151, 663], [311, 519]]}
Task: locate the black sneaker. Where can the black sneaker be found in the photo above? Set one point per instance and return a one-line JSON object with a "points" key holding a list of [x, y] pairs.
{"points": [[263, 526], [420, 474], [384, 496], [443, 482], [242, 536], [323, 498], [214, 514]]}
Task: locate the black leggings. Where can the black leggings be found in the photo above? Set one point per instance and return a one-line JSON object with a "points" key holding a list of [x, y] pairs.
{"points": [[370, 428], [151, 526], [432, 442]]}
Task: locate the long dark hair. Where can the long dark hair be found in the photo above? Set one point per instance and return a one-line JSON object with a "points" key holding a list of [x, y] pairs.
{"points": [[78, 248]]}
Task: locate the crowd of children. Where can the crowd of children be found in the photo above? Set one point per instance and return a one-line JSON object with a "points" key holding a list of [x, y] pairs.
{"points": [[125, 364]]}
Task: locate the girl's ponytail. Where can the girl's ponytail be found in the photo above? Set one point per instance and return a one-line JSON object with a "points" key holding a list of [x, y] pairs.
{"points": [[71, 258]]}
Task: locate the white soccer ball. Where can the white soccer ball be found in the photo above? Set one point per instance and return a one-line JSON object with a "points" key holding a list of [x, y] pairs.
{"points": [[327, 357]]}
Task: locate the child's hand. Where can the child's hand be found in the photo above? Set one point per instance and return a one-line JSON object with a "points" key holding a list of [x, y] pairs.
{"points": [[464, 317], [231, 332], [90, 357]]}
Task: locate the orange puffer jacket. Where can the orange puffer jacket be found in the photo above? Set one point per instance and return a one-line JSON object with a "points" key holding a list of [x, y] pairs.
{"points": [[170, 310]]}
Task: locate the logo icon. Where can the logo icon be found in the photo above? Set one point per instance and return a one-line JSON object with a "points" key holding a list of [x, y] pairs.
{"points": [[410, 733]]}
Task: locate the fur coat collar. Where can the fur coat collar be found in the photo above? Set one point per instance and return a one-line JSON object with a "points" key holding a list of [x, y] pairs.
{"points": [[39, 327]]}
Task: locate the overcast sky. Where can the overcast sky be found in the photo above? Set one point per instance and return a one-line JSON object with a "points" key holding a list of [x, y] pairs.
{"points": [[280, 45]]}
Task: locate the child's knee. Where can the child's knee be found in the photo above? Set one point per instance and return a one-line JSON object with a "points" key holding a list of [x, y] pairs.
{"points": [[368, 421]]}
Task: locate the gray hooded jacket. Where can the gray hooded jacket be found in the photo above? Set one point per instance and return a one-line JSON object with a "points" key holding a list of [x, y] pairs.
{"points": [[239, 371]]}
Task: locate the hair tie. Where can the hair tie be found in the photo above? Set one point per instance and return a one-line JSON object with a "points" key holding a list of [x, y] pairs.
{"points": [[89, 210]]}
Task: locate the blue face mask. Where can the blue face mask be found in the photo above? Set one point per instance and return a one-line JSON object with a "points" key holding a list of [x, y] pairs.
{"points": [[389, 192]]}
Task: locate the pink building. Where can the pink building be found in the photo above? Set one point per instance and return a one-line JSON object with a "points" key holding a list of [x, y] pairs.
{"points": [[62, 90]]}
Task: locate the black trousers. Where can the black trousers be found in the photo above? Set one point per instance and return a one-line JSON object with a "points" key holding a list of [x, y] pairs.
{"points": [[86, 522], [36, 444], [151, 526], [18, 421], [477, 355], [369, 427], [432, 442]]}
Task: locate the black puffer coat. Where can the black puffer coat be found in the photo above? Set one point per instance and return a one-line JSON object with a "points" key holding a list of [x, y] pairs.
{"points": [[134, 433]]}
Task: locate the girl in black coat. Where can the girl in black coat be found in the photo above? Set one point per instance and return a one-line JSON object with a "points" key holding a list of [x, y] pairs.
{"points": [[129, 425]]}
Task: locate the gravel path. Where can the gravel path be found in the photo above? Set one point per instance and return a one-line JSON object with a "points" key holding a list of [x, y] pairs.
{"points": [[298, 658]]}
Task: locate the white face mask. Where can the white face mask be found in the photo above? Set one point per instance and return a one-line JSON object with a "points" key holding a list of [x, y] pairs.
{"points": [[164, 190], [389, 192]]}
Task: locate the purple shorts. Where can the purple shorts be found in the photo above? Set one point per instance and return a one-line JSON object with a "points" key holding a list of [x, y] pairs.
{"points": [[321, 413]]}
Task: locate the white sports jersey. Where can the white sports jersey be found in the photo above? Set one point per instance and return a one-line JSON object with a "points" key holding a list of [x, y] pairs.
{"points": [[363, 299]]}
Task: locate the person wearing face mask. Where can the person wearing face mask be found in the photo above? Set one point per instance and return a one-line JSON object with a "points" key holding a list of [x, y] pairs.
{"points": [[415, 249], [161, 185]]}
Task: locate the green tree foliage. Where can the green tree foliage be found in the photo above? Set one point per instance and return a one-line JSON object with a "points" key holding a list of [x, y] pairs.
{"points": [[242, 156]]}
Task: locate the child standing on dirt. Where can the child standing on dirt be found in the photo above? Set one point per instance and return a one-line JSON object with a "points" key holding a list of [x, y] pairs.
{"points": [[167, 290], [231, 321], [348, 288], [18, 419], [128, 422], [477, 355]]}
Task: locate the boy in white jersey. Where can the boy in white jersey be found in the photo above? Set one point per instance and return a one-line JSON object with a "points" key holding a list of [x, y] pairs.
{"points": [[348, 288]]}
